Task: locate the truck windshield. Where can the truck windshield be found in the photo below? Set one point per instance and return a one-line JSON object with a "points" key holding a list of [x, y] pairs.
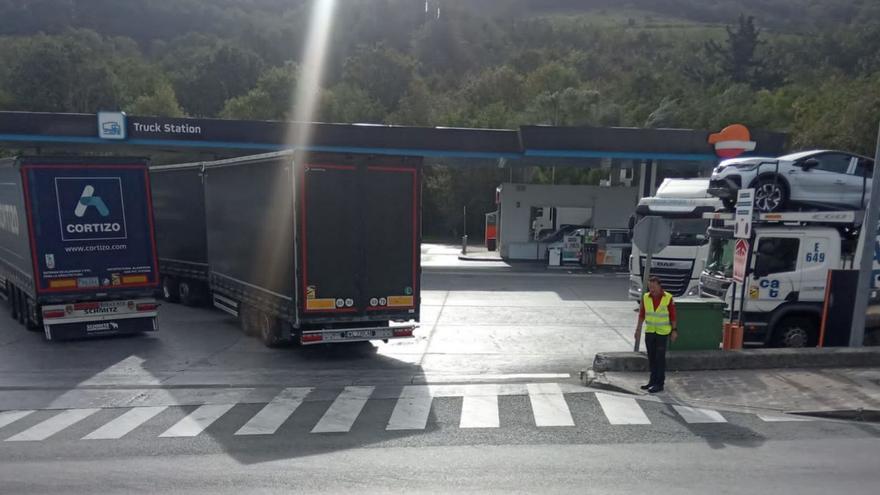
{"points": [[688, 231], [720, 259]]}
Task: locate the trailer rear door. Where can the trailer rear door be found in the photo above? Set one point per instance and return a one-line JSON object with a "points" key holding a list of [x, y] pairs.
{"points": [[91, 226], [330, 234], [359, 236], [391, 238]]}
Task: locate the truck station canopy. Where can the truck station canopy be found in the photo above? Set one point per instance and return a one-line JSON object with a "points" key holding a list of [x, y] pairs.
{"points": [[108, 131]]}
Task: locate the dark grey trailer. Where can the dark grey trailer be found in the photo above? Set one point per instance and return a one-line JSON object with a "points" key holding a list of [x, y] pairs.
{"points": [[317, 248], [179, 205], [77, 245]]}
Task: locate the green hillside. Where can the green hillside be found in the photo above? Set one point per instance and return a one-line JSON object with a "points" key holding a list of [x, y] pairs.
{"points": [[808, 67]]}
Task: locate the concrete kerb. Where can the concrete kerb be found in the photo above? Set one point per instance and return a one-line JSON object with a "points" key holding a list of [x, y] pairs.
{"points": [[836, 357]]}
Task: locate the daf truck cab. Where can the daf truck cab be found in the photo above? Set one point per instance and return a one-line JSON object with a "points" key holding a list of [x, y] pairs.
{"points": [[682, 202], [785, 282]]}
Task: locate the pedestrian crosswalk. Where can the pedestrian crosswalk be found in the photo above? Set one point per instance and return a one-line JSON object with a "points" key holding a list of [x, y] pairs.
{"points": [[480, 408]]}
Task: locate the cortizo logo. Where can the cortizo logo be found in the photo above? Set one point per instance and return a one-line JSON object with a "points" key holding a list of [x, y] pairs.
{"points": [[80, 228], [88, 199]]}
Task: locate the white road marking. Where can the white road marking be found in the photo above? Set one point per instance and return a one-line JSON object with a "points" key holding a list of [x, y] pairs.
{"points": [[124, 424], [9, 417], [697, 415], [781, 418], [548, 405], [53, 425], [342, 414], [479, 407], [412, 409], [275, 413], [622, 410], [197, 421]]}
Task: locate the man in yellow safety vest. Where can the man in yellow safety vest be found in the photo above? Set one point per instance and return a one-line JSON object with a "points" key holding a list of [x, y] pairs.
{"points": [[657, 313]]}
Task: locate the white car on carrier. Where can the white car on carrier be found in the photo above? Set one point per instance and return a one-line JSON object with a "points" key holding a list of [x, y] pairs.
{"points": [[813, 179]]}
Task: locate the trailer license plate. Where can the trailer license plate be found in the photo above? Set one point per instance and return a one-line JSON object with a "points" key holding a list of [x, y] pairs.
{"points": [[355, 334]]}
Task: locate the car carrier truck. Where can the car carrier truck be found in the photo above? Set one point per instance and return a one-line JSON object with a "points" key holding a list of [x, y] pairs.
{"points": [[314, 248], [77, 248], [792, 253]]}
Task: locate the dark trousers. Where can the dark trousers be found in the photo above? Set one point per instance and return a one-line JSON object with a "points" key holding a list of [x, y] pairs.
{"points": [[656, 345]]}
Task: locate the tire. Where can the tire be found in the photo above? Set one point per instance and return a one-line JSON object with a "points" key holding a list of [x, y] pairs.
{"points": [[170, 290], [32, 320], [246, 319], [269, 330], [771, 194], [22, 308], [795, 331], [187, 294], [12, 294], [728, 203]]}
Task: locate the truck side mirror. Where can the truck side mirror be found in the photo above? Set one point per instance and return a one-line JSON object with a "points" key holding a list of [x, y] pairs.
{"points": [[761, 269], [809, 163]]}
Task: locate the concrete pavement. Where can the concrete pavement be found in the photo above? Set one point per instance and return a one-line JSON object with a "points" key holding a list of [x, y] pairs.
{"points": [[803, 467], [783, 390], [486, 397]]}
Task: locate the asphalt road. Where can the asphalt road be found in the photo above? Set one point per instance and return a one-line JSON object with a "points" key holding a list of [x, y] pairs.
{"points": [[485, 398]]}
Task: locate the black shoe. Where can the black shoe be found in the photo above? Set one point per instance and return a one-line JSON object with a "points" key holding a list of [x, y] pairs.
{"points": [[646, 387], [653, 389]]}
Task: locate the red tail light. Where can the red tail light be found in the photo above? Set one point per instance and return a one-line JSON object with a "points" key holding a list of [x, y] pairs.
{"points": [[403, 332], [147, 307], [55, 313], [311, 337]]}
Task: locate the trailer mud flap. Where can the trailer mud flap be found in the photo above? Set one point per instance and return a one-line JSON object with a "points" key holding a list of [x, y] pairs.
{"points": [[82, 330]]}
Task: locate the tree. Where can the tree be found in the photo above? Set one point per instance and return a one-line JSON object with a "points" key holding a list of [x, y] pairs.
{"points": [[161, 103], [348, 103], [271, 99], [66, 73], [383, 72], [226, 73], [738, 57]]}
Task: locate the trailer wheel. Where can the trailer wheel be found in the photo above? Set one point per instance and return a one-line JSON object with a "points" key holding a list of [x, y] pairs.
{"points": [[32, 317], [22, 308], [795, 331], [186, 294], [270, 331], [169, 289], [12, 299], [246, 319]]}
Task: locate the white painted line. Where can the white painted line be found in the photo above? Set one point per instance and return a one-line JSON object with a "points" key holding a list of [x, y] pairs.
{"points": [[197, 421], [53, 425], [782, 418], [548, 405], [124, 424], [275, 413], [697, 415], [341, 415], [412, 409], [9, 417], [449, 378], [479, 407], [622, 410]]}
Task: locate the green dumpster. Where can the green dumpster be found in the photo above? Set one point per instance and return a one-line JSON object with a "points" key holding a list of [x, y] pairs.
{"points": [[699, 324]]}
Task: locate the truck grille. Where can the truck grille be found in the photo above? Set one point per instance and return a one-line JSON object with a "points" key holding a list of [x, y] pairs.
{"points": [[674, 274]]}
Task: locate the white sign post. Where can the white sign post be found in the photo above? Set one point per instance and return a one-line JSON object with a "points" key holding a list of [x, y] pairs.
{"points": [[745, 206]]}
